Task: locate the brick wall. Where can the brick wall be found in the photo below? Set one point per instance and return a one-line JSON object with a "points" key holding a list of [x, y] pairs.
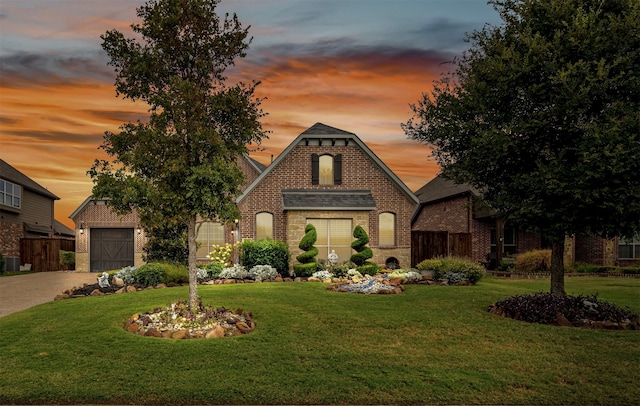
{"points": [[359, 172], [452, 215]]}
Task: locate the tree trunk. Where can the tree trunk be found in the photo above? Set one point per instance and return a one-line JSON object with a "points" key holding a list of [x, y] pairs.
{"points": [[193, 278], [557, 267]]}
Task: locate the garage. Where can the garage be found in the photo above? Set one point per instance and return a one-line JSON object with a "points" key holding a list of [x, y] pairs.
{"points": [[110, 248]]}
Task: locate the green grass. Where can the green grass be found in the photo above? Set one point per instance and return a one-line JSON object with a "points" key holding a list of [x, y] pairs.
{"points": [[429, 345]]}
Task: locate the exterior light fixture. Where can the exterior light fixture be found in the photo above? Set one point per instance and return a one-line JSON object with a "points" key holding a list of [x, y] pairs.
{"points": [[139, 230], [81, 228]]}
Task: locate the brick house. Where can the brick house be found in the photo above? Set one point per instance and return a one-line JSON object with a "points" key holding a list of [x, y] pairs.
{"points": [[326, 176], [329, 178], [26, 211], [453, 220], [456, 212]]}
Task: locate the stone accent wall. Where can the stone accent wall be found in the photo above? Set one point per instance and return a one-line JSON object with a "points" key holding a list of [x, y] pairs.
{"points": [[10, 235], [569, 251], [359, 172]]}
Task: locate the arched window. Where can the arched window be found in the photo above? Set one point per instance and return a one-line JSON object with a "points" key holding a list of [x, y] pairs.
{"points": [[326, 169], [264, 226], [386, 229]]}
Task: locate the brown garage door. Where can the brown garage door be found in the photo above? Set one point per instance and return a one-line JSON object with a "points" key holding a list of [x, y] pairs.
{"points": [[111, 248]]}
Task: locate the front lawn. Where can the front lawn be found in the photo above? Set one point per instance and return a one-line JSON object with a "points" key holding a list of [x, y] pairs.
{"points": [[428, 345]]}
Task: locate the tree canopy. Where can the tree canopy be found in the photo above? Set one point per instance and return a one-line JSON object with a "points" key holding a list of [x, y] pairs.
{"points": [[542, 114], [181, 164]]}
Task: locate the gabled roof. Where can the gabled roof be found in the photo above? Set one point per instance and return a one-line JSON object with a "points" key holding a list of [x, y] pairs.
{"points": [[440, 188], [259, 167], [83, 205], [319, 130], [13, 175], [61, 229]]}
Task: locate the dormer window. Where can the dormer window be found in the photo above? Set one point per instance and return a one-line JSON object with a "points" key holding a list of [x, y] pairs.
{"points": [[326, 169]]}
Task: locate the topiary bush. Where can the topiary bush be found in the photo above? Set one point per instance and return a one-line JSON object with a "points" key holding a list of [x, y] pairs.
{"points": [[469, 270], [266, 252], [307, 259], [533, 261], [150, 274], [360, 246]]}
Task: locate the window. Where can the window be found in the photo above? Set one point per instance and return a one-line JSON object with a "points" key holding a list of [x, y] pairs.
{"points": [[209, 234], [264, 226], [10, 194], [387, 229], [509, 244], [333, 234], [326, 169], [629, 248]]}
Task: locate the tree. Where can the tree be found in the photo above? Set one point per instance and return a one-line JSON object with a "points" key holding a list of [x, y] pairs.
{"points": [[180, 166], [542, 114], [167, 244]]}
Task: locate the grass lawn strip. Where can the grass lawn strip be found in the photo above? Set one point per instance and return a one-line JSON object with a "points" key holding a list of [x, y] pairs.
{"points": [[430, 345]]}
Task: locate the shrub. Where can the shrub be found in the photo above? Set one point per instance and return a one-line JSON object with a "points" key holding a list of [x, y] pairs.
{"points": [[222, 253], [533, 261], [340, 271], [307, 259], [214, 269], [67, 257], [167, 243], [176, 273], [368, 268], [266, 252], [506, 264], [150, 274], [322, 274], [472, 271], [234, 272], [360, 246], [202, 273], [127, 274], [263, 273], [408, 275], [544, 308]]}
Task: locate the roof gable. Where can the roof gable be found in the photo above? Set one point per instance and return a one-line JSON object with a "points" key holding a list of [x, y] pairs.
{"points": [[322, 131], [13, 175], [440, 188]]}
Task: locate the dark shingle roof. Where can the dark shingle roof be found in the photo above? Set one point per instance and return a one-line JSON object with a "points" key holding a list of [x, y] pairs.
{"points": [[323, 129], [441, 188], [13, 175], [328, 199]]}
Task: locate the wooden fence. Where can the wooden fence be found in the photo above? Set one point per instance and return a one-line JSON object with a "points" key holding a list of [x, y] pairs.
{"points": [[44, 253], [434, 244]]}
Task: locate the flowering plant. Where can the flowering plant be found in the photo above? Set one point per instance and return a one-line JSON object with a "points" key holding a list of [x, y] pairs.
{"points": [[222, 253]]}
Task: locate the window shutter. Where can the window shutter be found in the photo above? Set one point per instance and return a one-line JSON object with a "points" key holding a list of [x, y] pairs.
{"points": [[337, 169], [315, 169]]}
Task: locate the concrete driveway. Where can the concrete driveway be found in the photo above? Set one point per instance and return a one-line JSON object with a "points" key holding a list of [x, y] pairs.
{"points": [[21, 292]]}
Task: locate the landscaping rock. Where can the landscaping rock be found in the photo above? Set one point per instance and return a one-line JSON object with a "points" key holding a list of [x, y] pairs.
{"points": [[96, 292], [180, 334], [117, 281], [216, 332]]}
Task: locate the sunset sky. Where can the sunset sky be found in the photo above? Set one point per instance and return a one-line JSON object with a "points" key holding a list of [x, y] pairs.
{"points": [[351, 64]]}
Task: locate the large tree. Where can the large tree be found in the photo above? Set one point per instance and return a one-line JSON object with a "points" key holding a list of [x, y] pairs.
{"points": [[179, 166], [542, 114]]}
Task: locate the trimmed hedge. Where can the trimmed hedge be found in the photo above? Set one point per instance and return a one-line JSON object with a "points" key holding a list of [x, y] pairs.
{"points": [[266, 252]]}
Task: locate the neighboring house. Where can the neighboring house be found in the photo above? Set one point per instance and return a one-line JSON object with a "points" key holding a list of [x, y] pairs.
{"points": [[26, 211], [452, 220], [329, 178]]}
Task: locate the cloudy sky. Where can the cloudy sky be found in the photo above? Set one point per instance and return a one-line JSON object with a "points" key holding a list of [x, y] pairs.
{"points": [[351, 64]]}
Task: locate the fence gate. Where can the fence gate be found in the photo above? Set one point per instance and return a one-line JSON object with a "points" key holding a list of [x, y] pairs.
{"points": [[44, 253]]}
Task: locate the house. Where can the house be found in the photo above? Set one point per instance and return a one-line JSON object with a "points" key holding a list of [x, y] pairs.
{"points": [[327, 177], [26, 212], [106, 240], [452, 219]]}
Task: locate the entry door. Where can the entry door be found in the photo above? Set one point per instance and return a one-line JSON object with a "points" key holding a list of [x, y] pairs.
{"points": [[110, 248]]}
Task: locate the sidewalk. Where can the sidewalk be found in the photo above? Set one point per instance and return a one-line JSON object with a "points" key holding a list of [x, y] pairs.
{"points": [[24, 291]]}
